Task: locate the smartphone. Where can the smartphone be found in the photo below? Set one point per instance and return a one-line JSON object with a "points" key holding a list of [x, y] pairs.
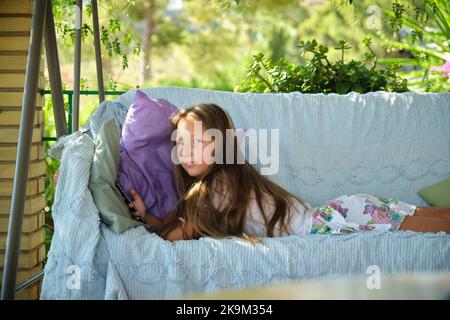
{"points": [[126, 198]]}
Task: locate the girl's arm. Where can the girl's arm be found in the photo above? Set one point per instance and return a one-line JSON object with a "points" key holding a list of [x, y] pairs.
{"points": [[171, 227], [182, 231], [159, 223], [140, 212]]}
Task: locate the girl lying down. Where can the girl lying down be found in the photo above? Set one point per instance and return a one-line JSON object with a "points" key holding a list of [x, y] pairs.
{"points": [[234, 199]]}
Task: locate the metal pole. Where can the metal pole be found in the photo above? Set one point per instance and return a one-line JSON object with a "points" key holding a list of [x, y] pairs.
{"points": [[30, 281], [98, 53], [70, 99], [23, 151], [76, 66], [54, 73]]}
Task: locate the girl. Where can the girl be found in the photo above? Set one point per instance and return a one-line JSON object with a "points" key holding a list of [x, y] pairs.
{"points": [[234, 199]]}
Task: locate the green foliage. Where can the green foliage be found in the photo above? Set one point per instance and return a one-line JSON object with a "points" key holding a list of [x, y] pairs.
{"points": [[319, 75], [427, 25], [49, 194], [112, 84], [116, 41], [84, 84], [278, 43], [51, 168], [219, 82], [226, 4]]}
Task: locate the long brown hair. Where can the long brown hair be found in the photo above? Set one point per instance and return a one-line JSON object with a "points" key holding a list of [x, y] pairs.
{"points": [[236, 181]]}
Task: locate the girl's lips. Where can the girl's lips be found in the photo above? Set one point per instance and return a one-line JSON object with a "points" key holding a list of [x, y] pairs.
{"points": [[189, 164]]}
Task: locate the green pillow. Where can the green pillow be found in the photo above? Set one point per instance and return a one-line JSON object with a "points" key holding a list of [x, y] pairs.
{"points": [[113, 210], [437, 195]]}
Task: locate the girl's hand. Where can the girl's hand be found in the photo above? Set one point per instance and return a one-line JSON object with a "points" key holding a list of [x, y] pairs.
{"points": [[138, 204]]}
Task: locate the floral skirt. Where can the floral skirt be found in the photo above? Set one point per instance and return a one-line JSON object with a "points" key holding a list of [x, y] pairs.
{"points": [[354, 212]]}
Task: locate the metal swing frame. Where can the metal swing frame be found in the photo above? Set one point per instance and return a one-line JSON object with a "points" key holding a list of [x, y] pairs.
{"points": [[42, 20]]}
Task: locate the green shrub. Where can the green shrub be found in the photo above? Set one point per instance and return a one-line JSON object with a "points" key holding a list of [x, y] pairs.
{"points": [[319, 75]]}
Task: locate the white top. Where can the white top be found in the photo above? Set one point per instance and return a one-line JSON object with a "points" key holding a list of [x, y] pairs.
{"points": [[298, 221]]}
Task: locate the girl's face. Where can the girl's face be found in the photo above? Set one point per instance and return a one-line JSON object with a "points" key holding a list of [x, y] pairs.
{"points": [[193, 150]]}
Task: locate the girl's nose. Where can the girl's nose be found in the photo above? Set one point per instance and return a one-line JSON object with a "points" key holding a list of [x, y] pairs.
{"points": [[185, 151]]}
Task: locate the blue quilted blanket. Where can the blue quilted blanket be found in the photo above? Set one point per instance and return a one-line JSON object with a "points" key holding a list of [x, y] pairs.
{"points": [[378, 143]]}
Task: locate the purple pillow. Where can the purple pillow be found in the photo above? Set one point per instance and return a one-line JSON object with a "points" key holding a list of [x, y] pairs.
{"points": [[145, 147]]}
